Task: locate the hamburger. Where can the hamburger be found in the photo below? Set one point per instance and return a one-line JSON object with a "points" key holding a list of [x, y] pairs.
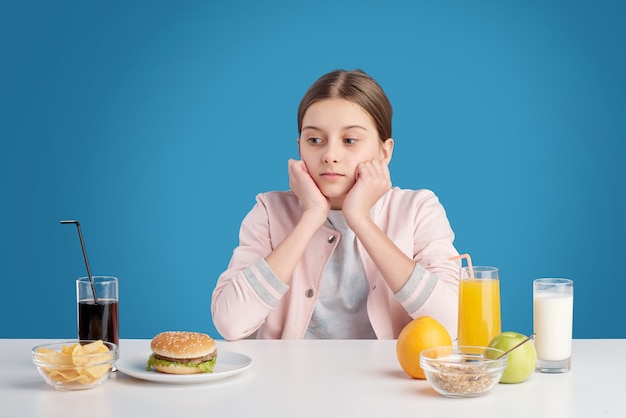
{"points": [[182, 352]]}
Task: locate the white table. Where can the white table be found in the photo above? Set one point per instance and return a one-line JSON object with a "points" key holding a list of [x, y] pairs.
{"points": [[318, 379]]}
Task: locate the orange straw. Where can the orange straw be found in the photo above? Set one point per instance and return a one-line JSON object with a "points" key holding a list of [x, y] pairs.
{"points": [[469, 263]]}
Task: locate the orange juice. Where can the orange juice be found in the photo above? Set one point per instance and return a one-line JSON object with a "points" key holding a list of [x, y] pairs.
{"points": [[479, 307]]}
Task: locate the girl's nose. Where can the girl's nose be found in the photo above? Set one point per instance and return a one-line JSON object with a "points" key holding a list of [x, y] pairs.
{"points": [[331, 155]]}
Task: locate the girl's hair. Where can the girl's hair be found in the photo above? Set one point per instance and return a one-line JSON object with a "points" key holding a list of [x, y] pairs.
{"points": [[357, 87]]}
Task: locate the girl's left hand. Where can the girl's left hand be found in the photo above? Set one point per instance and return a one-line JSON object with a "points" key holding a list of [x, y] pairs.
{"points": [[373, 180]]}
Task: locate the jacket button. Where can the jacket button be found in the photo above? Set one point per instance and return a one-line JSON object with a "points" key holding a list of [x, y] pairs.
{"points": [[309, 293], [331, 239]]}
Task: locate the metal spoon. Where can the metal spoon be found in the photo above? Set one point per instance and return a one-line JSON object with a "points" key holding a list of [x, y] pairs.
{"points": [[511, 349]]}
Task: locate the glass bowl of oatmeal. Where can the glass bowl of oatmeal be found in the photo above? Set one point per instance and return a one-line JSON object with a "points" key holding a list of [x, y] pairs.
{"points": [[462, 371]]}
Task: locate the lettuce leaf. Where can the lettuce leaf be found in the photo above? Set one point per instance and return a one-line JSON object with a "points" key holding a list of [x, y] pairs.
{"points": [[206, 367]]}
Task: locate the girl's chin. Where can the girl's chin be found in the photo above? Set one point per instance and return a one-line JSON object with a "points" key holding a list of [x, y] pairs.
{"points": [[336, 202], [334, 195], [334, 190]]}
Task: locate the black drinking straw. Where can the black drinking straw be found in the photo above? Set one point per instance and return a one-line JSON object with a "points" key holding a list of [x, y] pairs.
{"points": [[82, 246]]}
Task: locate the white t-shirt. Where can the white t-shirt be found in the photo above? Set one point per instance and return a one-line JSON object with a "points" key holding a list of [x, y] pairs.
{"points": [[341, 308]]}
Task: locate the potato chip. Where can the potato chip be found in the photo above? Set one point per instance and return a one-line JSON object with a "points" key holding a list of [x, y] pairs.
{"points": [[94, 347], [78, 355], [84, 379], [97, 371], [64, 375], [53, 357], [68, 350], [82, 364]]}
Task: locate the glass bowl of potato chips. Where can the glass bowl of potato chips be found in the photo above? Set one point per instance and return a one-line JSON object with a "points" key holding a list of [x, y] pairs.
{"points": [[75, 364]]}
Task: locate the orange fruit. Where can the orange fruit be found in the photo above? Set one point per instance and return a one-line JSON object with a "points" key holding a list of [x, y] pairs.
{"points": [[419, 334]]}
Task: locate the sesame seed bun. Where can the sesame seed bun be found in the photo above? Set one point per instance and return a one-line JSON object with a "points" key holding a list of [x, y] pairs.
{"points": [[182, 352], [182, 345]]}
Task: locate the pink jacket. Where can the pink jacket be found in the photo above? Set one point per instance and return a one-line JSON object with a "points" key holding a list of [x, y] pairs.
{"points": [[249, 298]]}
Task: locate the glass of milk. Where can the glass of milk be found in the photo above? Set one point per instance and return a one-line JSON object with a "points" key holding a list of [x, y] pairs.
{"points": [[553, 301]]}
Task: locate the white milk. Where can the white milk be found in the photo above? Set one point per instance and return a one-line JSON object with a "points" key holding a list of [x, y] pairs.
{"points": [[553, 326]]}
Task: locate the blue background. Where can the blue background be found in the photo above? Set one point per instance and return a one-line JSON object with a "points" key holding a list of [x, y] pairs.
{"points": [[156, 123]]}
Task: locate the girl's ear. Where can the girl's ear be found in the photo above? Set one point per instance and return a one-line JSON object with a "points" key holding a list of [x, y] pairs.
{"points": [[387, 150]]}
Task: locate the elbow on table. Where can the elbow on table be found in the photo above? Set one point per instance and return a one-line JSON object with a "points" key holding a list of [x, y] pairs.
{"points": [[227, 327], [228, 335]]}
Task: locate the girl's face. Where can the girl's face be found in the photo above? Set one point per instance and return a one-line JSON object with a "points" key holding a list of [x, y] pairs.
{"points": [[337, 135]]}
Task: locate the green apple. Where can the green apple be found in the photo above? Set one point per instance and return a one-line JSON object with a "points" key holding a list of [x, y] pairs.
{"points": [[521, 361]]}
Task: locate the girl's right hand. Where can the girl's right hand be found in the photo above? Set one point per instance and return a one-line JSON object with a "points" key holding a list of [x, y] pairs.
{"points": [[310, 196]]}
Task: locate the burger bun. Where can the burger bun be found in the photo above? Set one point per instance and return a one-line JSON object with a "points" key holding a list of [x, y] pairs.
{"points": [[182, 352], [182, 344], [173, 369]]}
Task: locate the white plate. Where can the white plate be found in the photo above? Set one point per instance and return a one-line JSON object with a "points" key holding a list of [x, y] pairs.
{"points": [[228, 363]]}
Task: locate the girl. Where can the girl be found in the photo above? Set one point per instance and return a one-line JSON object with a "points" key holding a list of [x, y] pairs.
{"points": [[343, 254]]}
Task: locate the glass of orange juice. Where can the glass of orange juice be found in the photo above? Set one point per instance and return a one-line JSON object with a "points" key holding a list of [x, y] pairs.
{"points": [[479, 305]]}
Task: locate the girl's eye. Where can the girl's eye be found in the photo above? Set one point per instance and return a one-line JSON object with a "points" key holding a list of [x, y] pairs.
{"points": [[314, 140], [350, 140]]}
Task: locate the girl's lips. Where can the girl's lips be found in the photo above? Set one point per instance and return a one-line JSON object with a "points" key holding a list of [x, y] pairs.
{"points": [[332, 176]]}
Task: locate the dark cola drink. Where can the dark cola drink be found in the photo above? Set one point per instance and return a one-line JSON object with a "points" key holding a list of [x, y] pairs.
{"points": [[98, 321]]}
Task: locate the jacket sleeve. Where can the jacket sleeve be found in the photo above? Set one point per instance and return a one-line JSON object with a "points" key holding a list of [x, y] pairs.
{"points": [[248, 290], [433, 287]]}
